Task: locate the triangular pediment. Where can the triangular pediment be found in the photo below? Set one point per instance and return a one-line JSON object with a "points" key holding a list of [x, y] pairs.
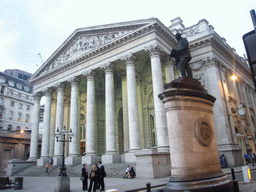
{"points": [[85, 40]]}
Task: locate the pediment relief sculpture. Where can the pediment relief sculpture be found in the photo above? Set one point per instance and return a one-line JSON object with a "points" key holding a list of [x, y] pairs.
{"points": [[82, 45]]}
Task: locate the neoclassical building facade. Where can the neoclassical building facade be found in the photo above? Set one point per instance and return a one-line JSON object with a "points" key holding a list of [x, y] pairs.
{"points": [[103, 84]]}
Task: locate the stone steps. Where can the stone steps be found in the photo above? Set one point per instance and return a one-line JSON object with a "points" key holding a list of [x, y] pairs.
{"points": [[116, 170]]}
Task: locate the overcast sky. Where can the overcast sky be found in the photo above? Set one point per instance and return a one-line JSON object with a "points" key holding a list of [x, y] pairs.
{"points": [[29, 27]]}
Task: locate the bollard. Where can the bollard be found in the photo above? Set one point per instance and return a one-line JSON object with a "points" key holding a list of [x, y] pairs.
{"points": [[246, 174], [235, 183], [148, 187]]}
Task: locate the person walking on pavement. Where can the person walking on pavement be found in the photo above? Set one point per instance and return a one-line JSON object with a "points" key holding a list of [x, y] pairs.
{"points": [[85, 177], [253, 158], [246, 157], [102, 175], [94, 175]]}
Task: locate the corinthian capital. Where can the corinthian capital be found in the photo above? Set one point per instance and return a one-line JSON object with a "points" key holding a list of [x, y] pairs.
{"points": [[89, 74], [60, 86], [154, 49], [74, 80], [129, 59], [47, 91], [108, 67]]}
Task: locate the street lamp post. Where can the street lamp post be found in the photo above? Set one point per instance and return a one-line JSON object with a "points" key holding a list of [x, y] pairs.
{"points": [[61, 137]]}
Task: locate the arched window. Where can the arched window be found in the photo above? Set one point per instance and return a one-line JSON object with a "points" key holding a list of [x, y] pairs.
{"points": [[18, 128], [9, 127], [236, 130]]}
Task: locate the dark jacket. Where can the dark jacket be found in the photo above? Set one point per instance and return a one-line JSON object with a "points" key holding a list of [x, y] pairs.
{"points": [[183, 49], [102, 171], [84, 173]]}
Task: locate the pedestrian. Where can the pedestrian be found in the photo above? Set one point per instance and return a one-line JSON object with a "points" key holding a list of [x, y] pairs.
{"points": [[84, 177], [222, 161], [47, 168], [51, 162], [246, 157], [132, 173], [253, 158], [94, 175], [182, 56], [102, 175], [126, 175]]}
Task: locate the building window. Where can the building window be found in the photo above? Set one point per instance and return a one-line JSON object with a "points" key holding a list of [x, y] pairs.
{"points": [[20, 105], [27, 118], [11, 83], [9, 127], [2, 89], [10, 115], [1, 100], [26, 88], [1, 113], [12, 103], [19, 116], [25, 77], [28, 107], [2, 80], [20, 76], [19, 86], [18, 128]]}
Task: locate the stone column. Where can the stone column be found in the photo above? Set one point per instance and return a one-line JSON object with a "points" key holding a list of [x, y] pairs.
{"points": [[133, 114], [160, 116], [125, 113], [110, 155], [46, 129], [73, 158], [52, 129], [90, 157], [35, 126], [58, 152], [169, 72]]}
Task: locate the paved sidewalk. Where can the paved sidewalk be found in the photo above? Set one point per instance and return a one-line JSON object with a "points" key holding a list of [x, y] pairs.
{"points": [[47, 184]]}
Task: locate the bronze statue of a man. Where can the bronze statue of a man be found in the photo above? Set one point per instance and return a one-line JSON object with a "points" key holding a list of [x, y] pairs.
{"points": [[182, 56]]}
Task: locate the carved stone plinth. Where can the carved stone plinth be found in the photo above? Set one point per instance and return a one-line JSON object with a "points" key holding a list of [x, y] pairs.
{"points": [[195, 164], [63, 184]]}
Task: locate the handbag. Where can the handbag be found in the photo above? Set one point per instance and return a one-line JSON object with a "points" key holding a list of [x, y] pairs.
{"points": [[82, 178]]}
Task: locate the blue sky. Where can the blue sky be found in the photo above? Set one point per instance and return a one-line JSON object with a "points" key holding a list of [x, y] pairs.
{"points": [[29, 27]]}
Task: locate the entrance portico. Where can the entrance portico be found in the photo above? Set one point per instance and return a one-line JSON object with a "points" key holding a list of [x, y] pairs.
{"points": [[113, 67]]}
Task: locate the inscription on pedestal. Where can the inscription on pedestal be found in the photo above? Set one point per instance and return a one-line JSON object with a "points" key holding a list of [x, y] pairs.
{"points": [[204, 133]]}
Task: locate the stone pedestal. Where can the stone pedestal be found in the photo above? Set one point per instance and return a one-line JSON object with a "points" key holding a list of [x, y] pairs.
{"points": [[73, 160], [130, 157], [195, 164], [151, 164], [42, 161], [63, 184], [90, 159], [111, 158], [57, 160]]}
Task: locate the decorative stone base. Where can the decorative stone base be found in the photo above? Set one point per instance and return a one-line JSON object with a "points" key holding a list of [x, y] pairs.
{"points": [[220, 184], [42, 161], [90, 159], [73, 160], [151, 164], [16, 165], [232, 154], [111, 158], [63, 184], [57, 160], [130, 157]]}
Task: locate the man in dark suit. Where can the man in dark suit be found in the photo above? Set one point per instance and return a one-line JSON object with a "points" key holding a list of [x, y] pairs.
{"points": [[182, 56], [102, 175]]}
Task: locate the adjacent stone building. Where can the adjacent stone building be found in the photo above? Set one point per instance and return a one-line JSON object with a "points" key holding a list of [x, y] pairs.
{"points": [[103, 84], [16, 106]]}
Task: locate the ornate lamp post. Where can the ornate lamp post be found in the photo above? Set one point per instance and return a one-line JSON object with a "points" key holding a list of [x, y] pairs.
{"points": [[61, 137]]}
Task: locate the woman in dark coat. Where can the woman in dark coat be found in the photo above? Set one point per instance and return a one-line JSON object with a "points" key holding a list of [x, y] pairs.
{"points": [[94, 176], [85, 176]]}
